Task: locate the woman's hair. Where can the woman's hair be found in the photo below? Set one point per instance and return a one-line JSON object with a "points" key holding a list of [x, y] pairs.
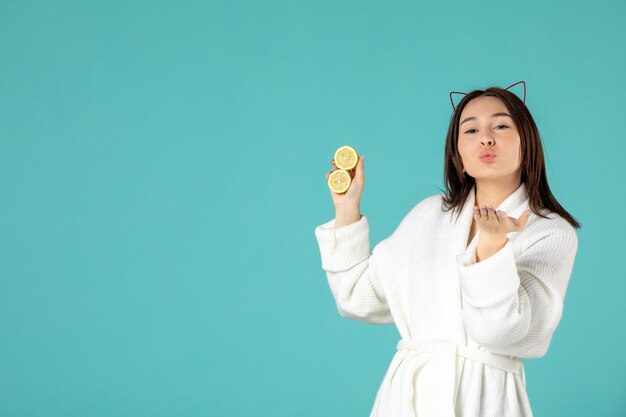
{"points": [[458, 184]]}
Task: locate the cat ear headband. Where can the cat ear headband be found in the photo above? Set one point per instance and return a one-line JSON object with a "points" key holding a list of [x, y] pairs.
{"points": [[459, 92]]}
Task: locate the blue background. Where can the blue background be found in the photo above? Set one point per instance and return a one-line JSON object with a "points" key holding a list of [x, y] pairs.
{"points": [[162, 170]]}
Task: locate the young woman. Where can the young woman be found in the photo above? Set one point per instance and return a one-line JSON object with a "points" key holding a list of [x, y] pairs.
{"points": [[472, 293]]}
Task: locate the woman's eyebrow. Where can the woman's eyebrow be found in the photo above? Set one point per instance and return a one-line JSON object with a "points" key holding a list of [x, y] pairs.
{"points": [[493, 115]]}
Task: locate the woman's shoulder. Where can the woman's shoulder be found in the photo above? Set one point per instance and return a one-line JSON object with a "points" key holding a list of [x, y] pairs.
{"points": [[428, 203], [552, 226], [397, 244], [420, 212], [421, 209], [551, 220]]}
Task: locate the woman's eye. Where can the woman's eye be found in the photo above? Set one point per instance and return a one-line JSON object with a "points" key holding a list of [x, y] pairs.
{"points": [[471, 130]]}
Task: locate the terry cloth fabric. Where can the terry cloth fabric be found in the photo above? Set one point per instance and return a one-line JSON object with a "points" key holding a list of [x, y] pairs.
{"points": [[464, 325]]}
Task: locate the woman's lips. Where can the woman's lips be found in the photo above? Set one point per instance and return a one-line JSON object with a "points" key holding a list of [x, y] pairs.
{"points": [[488, 158]]}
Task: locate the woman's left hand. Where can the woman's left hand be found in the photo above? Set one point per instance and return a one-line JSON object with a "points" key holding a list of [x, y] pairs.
{"points": [[497, 223], [493, 226]]}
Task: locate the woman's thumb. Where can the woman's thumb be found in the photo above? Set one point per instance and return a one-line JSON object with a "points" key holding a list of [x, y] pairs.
{"points": [[524, 218]]}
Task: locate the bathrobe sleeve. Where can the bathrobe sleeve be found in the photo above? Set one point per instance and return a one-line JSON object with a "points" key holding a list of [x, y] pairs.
{"points": [[351, 271], [513, 302]]}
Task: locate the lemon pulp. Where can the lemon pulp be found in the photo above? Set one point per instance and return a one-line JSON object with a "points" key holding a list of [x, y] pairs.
{"points": [[339, 181], [346, 157]]}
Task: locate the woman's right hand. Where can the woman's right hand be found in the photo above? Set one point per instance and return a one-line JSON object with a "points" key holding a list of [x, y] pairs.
{"points": [[351, 199]]}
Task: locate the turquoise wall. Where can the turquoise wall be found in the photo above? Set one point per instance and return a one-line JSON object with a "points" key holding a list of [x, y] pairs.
{"points": [[162, 169]]}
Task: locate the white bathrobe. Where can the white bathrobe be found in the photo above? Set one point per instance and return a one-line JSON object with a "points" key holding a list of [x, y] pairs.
{"points": [[464, 325]]}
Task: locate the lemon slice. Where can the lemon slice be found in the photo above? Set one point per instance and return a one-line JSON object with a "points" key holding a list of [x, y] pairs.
{"points": [[339, 181], [346, 158]]}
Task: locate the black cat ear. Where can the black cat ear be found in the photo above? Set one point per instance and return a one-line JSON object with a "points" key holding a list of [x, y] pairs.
{"points": [[451, 101], [512, 85], [524, 89]]}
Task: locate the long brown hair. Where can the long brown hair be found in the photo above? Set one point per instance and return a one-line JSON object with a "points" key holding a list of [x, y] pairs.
{"points": [[458, 184]]}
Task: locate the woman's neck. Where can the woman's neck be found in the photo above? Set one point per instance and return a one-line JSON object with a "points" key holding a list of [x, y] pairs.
{"points": [[493, 193]]}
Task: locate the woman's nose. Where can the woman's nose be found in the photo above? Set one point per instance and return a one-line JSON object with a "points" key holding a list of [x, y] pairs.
{"points": [[487, 140]]}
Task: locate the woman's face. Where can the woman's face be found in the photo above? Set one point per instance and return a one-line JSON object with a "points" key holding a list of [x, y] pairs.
{"points": [[480, 130]]}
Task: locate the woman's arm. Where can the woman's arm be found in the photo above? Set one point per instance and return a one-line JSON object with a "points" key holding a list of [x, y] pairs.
{"points": [[512, 303], [351, 271]]}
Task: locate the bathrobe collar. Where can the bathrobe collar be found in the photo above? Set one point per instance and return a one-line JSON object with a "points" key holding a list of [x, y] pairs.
{"points": [[444, 350], [510, 204]]}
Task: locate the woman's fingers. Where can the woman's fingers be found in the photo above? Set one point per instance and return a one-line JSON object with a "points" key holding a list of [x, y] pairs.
{"points": [[359, 169], [493, 215], [489, 213]]}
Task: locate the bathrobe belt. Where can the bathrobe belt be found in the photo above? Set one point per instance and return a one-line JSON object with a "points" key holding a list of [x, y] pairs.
{"points": [[444, 369]]}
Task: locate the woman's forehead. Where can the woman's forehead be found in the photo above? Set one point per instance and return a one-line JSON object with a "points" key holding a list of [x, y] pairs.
{"points": [[483, 106]]}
